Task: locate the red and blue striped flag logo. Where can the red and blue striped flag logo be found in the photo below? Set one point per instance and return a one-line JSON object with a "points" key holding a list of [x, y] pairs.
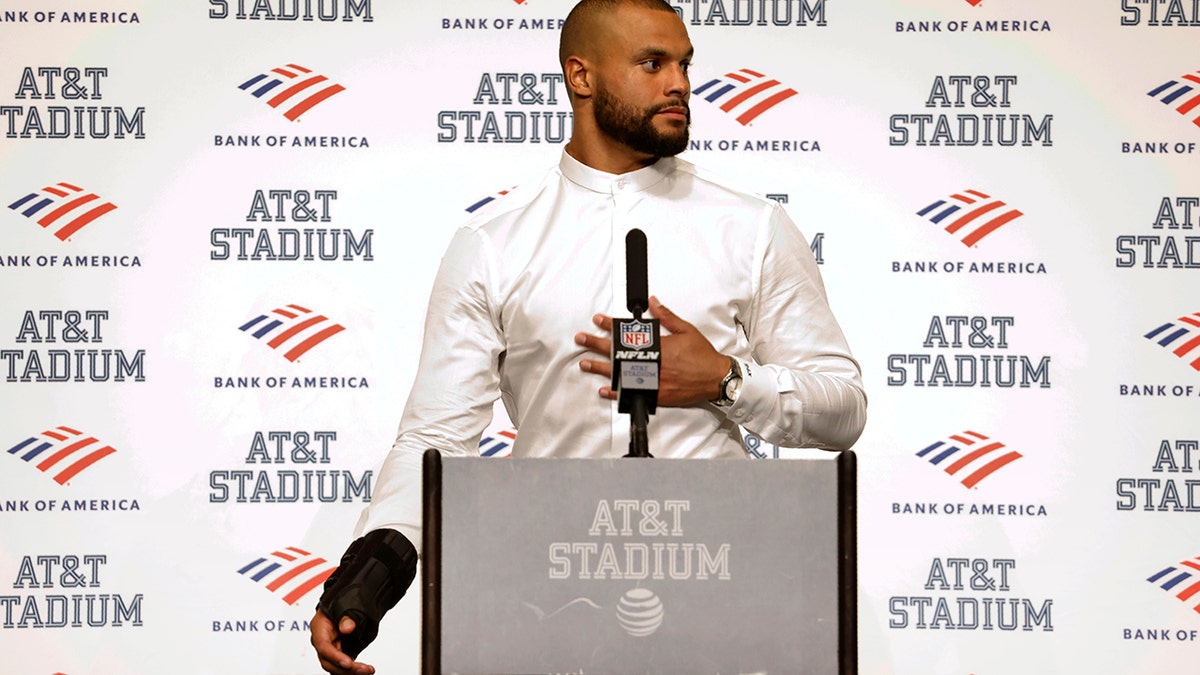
{"points": [[488, 200], [292, 88], [970, 215], [290, 573], [293, 329], [63, 208], [61, 453], [1183, 90], [499, 445], [744, 93], [969, 456], [1184, 578], [1181, 336]]}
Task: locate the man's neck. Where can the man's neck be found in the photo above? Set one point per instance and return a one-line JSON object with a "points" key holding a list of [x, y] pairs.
{"points": [[609, 160]]}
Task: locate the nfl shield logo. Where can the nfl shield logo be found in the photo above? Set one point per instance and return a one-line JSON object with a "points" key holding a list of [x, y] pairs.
{"points": [[636, 335]]}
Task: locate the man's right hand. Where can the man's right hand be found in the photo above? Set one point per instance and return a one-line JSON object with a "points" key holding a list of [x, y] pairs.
{"points": [[328, 643]]}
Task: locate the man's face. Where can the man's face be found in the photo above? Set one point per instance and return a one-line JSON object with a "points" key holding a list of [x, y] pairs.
{"points": [[642, 91]]}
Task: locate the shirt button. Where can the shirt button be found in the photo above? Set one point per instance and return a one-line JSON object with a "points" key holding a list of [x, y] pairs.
{"points": [[620, 185]]}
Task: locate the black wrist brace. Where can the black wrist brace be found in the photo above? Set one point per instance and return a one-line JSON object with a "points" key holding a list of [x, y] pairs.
{"points": [[374, 573]]}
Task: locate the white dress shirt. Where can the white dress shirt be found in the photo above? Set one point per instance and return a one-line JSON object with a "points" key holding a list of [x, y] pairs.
{"points": [[522, 278]]}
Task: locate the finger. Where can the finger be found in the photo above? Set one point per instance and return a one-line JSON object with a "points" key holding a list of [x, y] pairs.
{"points": [[603, 321], [608, 393], [598, 367], [346, 625], [667, 318], [594, 343], [332, 659]]}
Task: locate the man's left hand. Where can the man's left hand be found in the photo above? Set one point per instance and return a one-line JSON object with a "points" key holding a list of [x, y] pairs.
{"points": [[691, 370]]}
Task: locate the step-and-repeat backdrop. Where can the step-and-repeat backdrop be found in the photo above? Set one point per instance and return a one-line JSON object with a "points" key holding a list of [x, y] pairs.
{"points": [[221, 221]]}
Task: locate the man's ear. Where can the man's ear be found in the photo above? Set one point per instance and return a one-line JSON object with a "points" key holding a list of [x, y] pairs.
{"points": [[578, 75]]}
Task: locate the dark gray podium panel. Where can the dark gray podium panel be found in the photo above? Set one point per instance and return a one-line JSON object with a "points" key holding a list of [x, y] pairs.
{"points": [[639, 566]]}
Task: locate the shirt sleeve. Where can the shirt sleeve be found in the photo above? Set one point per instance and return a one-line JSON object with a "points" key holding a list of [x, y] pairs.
{"points": [[801, 387], [456, 384]]}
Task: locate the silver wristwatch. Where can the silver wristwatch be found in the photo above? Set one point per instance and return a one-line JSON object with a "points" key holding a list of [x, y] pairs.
{"points": [[731, 386]]}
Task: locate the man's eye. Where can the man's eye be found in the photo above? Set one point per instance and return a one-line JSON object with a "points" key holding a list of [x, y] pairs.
{"points": [[651, 64]]}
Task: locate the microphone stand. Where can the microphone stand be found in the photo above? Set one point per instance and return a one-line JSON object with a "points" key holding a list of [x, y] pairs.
{"points": [[639, 417], [639, 395]]}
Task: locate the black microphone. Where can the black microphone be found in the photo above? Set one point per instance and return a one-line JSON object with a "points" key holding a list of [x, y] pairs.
{"points": [[637, 294], [636, 349]]}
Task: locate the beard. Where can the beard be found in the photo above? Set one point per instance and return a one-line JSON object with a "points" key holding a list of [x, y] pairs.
{"points": [[635, 127]]}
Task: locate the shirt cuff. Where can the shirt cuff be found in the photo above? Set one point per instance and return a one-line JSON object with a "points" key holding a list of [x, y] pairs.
{"points": [[756, 395]]}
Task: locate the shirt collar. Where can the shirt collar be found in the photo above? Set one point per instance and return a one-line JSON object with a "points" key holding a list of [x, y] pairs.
{"points": [[598, 181]]}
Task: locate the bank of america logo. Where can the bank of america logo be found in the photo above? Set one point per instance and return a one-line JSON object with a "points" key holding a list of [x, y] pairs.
{"points": [[499, 445], [61, 453], [487, 200], [290, 573], [970, 215], [969, 456], [1182, 90], [292, 329], [1181, 336], [744, 93], [1182, 580], [292, 88], [62, 208]]}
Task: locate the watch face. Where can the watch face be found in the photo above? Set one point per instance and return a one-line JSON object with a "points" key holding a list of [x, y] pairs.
{"points": [[734, 388]]}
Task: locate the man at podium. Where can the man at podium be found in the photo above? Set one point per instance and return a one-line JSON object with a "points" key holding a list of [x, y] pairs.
{"points": [[523, 303]]}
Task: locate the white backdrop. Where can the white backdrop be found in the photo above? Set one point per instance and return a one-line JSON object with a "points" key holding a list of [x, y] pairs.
{"points": [[224, 477]]}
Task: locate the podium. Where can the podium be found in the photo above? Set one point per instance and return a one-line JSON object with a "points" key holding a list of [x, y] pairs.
{"points": [[639, 566]]}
